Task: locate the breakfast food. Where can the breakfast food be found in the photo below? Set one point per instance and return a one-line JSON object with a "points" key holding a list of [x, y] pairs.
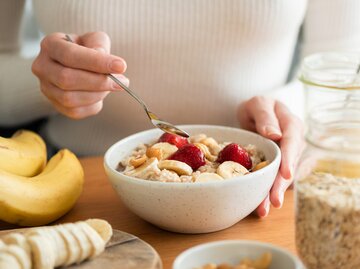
{"points": [[199, 158], [53, 246], [32, 192], [327, 221], [263, 262]]}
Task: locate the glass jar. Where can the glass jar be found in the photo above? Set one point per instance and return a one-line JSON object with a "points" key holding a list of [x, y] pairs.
{"points": [[327, 184]]}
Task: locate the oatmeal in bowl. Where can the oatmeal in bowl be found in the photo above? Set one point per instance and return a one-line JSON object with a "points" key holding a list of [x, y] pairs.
{"points": [[204, 199], [199, 158]]}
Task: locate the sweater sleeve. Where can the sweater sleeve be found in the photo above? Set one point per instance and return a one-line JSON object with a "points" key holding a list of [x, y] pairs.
{"points": [[329, 25], [21, 100]]}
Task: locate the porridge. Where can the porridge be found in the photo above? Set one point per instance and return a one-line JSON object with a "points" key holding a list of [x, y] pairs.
{"points": [[198, 158], [263, 262], [327, 221]]}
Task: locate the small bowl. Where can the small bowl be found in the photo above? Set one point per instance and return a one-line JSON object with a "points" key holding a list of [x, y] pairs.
{"points": [[232, 252], [194, 207]]}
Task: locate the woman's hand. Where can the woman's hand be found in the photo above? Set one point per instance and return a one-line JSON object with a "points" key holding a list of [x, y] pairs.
{"points": [[73, 75], [273, 120]]}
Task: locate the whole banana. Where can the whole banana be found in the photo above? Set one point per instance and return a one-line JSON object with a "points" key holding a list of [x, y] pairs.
{"points": [[39, 200], [23, 154]]}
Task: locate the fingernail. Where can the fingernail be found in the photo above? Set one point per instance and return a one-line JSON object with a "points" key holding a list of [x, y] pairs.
{"points": [[117, 66], [272, 131], [281, 199], [267, 207], [123, 79], [100, 49]]}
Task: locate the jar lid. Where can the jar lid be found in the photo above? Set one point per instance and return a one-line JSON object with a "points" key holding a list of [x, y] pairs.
{"points": [[337, 70]]}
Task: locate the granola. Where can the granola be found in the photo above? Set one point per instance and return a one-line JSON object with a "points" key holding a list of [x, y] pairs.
{"points": [[197, 159], [327, 221]]}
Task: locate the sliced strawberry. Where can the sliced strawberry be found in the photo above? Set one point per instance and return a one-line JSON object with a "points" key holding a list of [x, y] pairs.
{"points": [[234, 152], [191, 155], [173, 139]]}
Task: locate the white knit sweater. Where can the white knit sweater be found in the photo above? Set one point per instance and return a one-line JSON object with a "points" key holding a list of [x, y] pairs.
{"points": [[192, 61]]}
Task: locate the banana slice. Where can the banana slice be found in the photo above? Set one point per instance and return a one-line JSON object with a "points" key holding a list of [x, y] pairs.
{"points": [[206, 177], [197, 138], [180, 168], [8, 261], [61, 250], [2, 245], [102, 227], [166, 150], [17, 239], [72, 247], [145, 171], [82, 241], [20, 255], [43, 254], [206, 152], [231, 169], [212, 144], [97, 243]]}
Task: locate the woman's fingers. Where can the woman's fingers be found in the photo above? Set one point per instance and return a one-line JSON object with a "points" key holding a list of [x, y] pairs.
{"points": [[99, 41], [79, 57], [72, 99], [260, 110], [264, 208], [278, 190], [74, 79], [292, 143]]}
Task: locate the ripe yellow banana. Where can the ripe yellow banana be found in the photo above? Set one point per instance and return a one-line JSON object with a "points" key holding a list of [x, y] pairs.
{"points": [[39, 200], [23, 154]]}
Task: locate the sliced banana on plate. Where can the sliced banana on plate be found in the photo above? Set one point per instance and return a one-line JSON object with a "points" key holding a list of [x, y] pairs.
{"points": [[231, 169], [72, 247], [207, 177], [180, 168], [8, 261], [43, 254], [102, 227], [97, 243], [19, 254], [17, 239]]}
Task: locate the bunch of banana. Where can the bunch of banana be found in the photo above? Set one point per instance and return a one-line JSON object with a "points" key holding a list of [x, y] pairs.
{"points": [[32, 192]]}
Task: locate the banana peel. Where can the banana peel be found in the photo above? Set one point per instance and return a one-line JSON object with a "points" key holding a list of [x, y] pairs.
{"points": [[23, 154], [45, 197]]}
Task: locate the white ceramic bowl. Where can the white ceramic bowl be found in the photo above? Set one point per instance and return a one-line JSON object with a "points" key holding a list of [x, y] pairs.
{"points": [[194, 207], [232, 252]]}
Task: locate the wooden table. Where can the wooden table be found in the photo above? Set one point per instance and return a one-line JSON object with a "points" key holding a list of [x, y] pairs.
{"points": [[100, 200]]}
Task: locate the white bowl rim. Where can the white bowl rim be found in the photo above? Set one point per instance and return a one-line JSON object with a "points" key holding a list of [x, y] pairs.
{"points": [[187, 252], [141, 181]]}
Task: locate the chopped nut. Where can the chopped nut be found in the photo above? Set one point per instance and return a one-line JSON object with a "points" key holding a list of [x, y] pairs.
{"points": [[137, 161], [260, 165], [154, 152]]}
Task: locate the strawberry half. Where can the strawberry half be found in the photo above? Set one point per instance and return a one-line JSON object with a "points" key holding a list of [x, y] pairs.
{"points": [[173, 139], [234, 152], [191, 155]]}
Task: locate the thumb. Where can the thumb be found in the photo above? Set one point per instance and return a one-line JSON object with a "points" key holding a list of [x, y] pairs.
{"points": [[96, 40]]}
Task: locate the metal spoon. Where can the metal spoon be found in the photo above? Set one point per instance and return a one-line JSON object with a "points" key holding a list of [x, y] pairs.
{"points": [[155, 120]]}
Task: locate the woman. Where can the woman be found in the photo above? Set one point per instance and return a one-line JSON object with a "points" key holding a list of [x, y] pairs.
{"points": [[192, 61]]}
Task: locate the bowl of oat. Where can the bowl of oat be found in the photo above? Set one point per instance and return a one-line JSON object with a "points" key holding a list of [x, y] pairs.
{"points": [[237, 254], [205, 183]]}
